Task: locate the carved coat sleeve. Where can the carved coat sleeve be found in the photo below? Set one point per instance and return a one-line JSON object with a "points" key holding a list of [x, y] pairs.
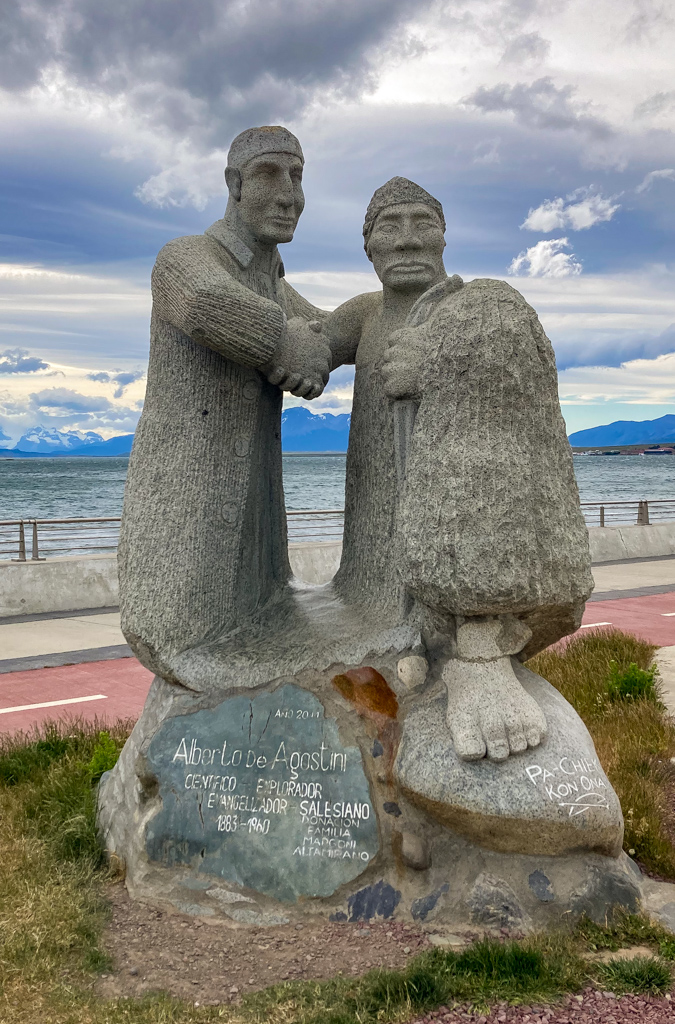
{"points": [[193, 290]]}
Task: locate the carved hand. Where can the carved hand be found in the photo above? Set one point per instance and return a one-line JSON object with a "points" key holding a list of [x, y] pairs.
{"points": [[405, 363], [301, 363]]}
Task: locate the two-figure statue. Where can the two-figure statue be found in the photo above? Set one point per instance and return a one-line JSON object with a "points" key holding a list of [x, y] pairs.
{"points": [[465, 553]]}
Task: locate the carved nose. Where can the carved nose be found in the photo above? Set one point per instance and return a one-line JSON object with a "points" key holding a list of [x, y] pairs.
{"points": [[410, 242]]}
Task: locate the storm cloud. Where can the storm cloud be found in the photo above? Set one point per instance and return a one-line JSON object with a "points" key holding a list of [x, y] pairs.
{"points": [[205, 67]]}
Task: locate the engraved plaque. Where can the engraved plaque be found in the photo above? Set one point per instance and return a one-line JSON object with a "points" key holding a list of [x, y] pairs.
{"points": [[262, 793]]}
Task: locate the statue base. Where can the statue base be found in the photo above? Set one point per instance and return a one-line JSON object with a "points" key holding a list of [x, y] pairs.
{"points": [[336, 793]]}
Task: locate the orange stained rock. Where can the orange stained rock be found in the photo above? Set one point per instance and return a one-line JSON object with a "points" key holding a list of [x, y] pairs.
{"points": [[368, 690]]}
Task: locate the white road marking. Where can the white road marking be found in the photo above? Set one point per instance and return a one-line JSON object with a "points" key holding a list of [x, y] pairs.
{"points": [[589, 625], [52, 703], [667, 615]]}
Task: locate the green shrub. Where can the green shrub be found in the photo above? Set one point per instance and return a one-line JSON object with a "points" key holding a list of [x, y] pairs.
{"points": [[104, 757], [632, 683]]}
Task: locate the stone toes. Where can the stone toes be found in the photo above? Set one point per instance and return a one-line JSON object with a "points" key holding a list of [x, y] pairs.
{"points": [[498, 750], [534, 736], [467, 738], [494, 732], [517, 740]]}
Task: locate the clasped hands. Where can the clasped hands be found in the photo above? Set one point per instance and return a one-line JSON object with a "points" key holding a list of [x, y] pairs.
{"points": [[302, 361]]}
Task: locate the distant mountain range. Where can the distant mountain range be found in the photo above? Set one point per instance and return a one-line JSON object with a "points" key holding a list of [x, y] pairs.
{"points": [[39, 442], [301, 431], [626, 432], [304, 431]]}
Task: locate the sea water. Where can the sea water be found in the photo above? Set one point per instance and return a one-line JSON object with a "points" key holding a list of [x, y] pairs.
{"points": [[89, 488]]}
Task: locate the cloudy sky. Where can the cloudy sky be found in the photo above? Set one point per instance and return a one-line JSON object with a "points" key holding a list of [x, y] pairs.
{"points": [[546, 128]]}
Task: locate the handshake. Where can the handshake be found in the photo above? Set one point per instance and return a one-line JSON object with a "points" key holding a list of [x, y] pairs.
{"points": [[302, 361]]}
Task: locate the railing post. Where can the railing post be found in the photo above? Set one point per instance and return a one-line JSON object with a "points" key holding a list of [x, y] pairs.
{"points": [[643, 513], [602, 515], [35, 556], [22, 544]]}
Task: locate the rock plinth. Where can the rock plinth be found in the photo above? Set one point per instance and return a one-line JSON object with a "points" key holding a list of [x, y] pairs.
{"points": [[553, 800], [336, 794]]}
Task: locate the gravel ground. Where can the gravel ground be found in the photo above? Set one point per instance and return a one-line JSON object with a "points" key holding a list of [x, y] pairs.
{"points": [[589, 1008], [211, 963]]}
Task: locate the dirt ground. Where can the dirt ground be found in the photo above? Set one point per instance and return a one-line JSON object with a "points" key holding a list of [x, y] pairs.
{"points": [[210, 963]]}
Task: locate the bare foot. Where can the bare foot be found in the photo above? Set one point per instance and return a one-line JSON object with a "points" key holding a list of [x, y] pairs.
{"points": [[489, 712]]}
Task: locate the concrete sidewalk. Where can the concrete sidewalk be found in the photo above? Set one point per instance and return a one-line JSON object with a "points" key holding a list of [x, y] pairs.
{"points": [[639, 576], [42, 635]]}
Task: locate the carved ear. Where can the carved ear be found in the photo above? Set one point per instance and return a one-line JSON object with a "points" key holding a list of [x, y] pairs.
{"points": [[233, 181]]}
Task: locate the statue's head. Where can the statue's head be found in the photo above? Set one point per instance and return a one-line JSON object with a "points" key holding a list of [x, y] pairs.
{"points": [[403, 236], [264, 178]]}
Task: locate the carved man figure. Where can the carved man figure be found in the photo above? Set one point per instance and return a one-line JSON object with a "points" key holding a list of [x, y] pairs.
{"points": [[203, 540], [486, 533]]}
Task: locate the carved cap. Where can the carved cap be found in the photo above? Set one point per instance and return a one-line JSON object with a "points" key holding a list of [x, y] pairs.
{"points": [[395, 191], [258, 141]]}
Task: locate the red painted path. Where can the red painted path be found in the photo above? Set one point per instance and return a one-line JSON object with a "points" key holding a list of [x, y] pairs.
{"points": [[122, 686], [647, 617]]}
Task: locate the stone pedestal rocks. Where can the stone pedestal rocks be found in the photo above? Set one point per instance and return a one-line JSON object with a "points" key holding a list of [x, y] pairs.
{"points": [[334, 791]]}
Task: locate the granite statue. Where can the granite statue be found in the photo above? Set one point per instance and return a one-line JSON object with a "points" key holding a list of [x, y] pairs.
{"points": [[482, 524], [374, 747], [203, 540]]}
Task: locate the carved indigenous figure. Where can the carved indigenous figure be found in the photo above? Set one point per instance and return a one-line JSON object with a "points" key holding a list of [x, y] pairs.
{"points": [[486, 533], [203, 542]]}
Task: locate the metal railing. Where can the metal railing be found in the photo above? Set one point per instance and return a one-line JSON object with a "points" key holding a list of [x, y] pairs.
{"points": [[315, 524], [627, 513], [34, 540]]}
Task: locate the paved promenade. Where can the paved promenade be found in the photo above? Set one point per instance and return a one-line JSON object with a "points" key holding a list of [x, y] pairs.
{"points": [[77, 664]]}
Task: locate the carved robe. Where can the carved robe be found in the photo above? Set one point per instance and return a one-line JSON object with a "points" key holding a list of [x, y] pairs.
{"points": [[203, 541], [489, 520]]}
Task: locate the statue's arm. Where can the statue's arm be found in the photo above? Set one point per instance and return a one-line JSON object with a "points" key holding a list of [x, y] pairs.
{"points": [[193, 291], [344, 326], [298, 305]]}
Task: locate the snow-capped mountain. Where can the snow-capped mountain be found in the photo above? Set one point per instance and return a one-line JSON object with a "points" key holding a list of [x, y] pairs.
{"points": [[303, 431], [47, 440]]}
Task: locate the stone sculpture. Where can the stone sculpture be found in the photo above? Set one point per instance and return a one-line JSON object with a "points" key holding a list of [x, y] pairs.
{"points": [[294, 756], [488, 535], [203, 540]]}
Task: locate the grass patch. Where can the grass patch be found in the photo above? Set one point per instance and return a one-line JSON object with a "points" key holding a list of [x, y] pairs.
{"points": [[610, 679], [621, 932], [535, 970], [644, 974]]}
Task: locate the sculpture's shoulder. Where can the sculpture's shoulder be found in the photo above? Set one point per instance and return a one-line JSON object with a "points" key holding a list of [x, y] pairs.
{"points": [[195, 249]]}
